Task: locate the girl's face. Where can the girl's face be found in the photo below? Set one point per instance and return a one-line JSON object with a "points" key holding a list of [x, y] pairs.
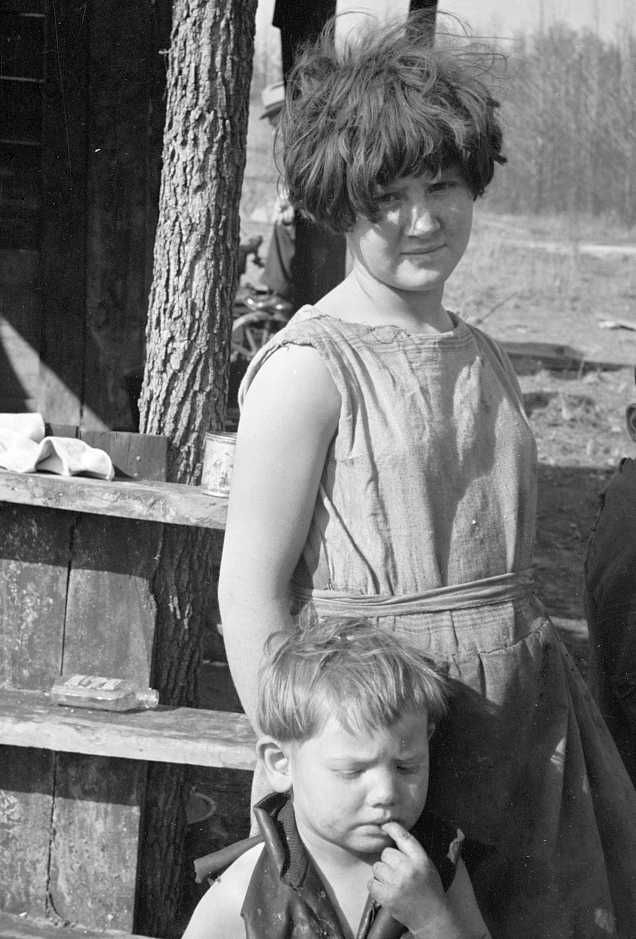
{"points": [[346, 786], [420, 237]]}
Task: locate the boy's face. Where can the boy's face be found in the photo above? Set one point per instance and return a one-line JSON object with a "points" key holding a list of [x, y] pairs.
{"points": [[346, 786], [420, 236]]}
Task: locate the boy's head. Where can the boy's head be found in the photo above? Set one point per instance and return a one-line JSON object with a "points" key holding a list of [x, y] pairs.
{"points": [[351, 670], [346, 711], [389, 106]]}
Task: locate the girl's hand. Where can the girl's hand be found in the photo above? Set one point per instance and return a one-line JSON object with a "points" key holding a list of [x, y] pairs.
{"points": [[406, 883]]}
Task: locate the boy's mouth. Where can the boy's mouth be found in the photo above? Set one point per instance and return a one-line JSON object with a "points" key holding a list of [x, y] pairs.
{"points": [[382, 820]]}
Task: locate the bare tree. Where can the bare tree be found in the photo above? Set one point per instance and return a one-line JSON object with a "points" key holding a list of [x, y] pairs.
{"points": [[195, 269], [187, 353]]}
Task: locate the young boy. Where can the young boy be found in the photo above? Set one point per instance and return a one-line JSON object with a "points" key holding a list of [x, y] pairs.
{"points": [[346, 712]]}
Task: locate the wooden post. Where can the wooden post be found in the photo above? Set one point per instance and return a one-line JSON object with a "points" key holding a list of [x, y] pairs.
{"points": [[187, 356]]}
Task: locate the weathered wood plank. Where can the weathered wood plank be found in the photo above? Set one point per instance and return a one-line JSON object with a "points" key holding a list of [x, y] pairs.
{"points": [[20, 313], [134, 456], [123, 192], [63, 246], [110, 620], [21, 927], [95, 840], [557, 356], [154, 501], [111, 611], [171, 735], [26, 780], [34, 562]]}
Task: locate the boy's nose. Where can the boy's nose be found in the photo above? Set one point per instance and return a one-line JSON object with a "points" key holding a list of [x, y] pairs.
{"points": [[383, 789], [423, 219]]}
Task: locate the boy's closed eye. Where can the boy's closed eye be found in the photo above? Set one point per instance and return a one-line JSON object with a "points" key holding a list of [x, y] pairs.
{"points": [[407, 768], [352, 772]]}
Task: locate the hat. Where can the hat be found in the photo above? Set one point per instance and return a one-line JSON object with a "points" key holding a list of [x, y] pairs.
{"points": [[273, 98]]}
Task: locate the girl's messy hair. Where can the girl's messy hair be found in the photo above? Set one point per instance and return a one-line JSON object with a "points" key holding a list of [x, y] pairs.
{"points": [[354, 671], [388, 105]]}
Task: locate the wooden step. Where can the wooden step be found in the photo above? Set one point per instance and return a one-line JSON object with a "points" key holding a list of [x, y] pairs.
{"points": [[148, 500], [19, 927], [191, 736]]}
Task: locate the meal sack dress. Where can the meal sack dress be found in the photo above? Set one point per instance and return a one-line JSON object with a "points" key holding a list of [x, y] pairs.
{"points": [[424, 522]]}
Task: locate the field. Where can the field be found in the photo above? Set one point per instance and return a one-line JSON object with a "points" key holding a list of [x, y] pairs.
{"points": [[558, 281]]}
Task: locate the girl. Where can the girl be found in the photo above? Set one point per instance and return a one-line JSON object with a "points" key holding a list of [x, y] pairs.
{"points": [[385, 468]]}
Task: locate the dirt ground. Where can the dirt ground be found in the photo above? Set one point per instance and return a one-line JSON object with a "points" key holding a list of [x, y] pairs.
{"points": [[581, 438]]}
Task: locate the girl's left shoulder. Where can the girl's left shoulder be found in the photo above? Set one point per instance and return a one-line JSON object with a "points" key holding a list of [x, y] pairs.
{"points": [[494, 352]]}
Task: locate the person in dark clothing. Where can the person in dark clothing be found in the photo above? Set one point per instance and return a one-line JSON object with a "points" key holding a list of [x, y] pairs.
{"points": [[275, 291], [346, 711], [319, 255], [610, 606]]}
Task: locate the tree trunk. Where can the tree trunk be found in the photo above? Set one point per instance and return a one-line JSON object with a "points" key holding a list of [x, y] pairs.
{"points": [[185, 380], [195, 260]]}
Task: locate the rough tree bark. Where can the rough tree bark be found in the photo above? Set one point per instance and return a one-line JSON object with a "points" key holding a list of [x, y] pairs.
{"points": [[195, 269], [185, 380]]}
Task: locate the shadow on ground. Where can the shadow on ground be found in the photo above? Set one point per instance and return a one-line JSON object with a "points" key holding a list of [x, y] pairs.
{"points": [[568, 503]]}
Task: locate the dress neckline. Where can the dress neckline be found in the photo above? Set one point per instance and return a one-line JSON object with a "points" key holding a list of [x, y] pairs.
{"points": [[385, 332]]}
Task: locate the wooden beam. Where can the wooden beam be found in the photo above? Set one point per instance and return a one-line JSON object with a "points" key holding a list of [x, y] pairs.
{"points": [[190, 736], [21, 927], [147, 500]]}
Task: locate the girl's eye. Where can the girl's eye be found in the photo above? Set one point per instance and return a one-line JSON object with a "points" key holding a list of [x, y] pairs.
{"points": [[443, 185], [388, 198]]}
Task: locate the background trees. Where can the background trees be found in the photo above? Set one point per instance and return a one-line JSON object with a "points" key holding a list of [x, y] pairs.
{"points": [[569, 112]]}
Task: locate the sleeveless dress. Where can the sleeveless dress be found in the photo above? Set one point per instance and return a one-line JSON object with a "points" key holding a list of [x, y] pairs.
{"points": [[427, 499]]}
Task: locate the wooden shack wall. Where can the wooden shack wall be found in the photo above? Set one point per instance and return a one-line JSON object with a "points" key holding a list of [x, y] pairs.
{"points": [[78, 203]]}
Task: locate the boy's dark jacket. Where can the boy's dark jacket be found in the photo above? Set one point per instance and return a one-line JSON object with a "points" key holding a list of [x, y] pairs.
{"points": [[286, 897]]}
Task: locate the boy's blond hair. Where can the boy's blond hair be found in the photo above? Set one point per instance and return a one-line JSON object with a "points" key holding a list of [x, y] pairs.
{"points": [[354, 671]]}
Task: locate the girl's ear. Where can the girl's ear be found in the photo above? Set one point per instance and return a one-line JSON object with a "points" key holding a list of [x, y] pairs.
{"points": [[275, 758]]}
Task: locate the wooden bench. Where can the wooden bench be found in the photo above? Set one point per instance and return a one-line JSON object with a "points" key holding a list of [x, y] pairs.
{"points": [[79, 561], [21, 927], [191, 736]]}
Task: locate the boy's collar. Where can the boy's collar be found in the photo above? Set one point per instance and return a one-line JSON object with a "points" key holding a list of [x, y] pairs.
{"points": [[273, 813]]}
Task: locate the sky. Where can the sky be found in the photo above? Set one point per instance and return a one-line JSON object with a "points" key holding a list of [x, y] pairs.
{"points": [[504, 17]]}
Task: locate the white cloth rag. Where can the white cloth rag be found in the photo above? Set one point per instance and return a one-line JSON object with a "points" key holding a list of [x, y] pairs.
{"points": [[25, 449]]}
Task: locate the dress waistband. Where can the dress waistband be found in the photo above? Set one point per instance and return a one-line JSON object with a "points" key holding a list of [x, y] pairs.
{"points": [[474, 593]]}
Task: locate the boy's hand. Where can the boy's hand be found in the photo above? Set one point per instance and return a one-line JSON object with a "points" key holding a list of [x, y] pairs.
{"points": [[406, 883]]}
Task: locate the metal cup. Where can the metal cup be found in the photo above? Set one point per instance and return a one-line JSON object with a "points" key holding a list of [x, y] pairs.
{"points": [[218, 460]]}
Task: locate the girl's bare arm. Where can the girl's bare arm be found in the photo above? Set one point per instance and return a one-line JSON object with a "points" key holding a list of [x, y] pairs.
{"points": [[288, 421]]}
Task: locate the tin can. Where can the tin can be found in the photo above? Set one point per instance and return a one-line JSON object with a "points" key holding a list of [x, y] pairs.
{"points": [[218, 460]]}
